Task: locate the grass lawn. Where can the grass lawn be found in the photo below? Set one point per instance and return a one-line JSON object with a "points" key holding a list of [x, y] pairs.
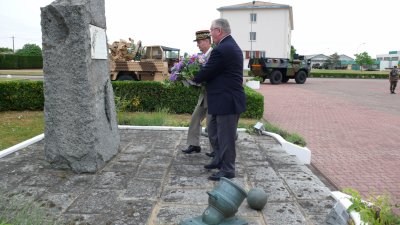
{"points": [[16, 127]]}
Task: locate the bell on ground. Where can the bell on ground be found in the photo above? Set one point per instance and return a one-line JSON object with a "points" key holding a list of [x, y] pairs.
{"points": [[223, 203]]}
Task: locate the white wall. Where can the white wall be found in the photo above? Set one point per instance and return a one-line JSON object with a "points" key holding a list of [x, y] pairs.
{"points": [[273, 30], [386, 64]]}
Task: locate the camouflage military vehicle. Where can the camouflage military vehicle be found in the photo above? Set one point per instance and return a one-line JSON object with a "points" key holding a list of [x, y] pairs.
{"points": [[279, 70], [129, 61]]}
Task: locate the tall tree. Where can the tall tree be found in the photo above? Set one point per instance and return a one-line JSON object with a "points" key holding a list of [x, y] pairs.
{"points": [[29, 50], [333, 61], [363, 59], [6, 50]]}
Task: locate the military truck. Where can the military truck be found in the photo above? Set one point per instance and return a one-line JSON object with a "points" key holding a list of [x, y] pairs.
{"points": [[134, 62], [280, 70]]}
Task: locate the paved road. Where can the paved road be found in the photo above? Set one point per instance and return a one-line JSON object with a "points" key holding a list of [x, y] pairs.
{"points": [[352, 127], [22, 77]]}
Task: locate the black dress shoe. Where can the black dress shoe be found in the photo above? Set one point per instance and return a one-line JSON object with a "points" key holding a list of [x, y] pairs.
{"points": [[218, 175], [212, 166], [211, 154], [191, 149]]}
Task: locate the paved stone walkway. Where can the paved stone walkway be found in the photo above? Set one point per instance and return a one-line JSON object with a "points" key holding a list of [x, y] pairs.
{"points": [[352, 127], [151, 182]]}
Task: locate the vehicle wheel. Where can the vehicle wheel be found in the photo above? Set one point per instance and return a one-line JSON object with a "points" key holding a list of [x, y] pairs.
{"points": [[285, 79], [124, 75], [276, 77], [300, 77]]}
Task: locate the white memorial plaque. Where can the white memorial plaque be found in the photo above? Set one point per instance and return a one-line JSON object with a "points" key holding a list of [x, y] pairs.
{"points": [[98, 42]]}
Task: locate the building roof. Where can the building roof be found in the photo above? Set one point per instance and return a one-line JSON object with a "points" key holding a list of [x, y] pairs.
{"points": [[345, 57], [260, 5], [325, 57], [317, 57]]}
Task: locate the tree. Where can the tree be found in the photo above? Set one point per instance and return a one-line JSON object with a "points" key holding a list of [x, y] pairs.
{"points": [[363, 59], [333, 61], [6, 50], [29, 50]]}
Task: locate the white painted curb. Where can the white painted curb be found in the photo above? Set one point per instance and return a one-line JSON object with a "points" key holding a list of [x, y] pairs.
{"points": [[253, 84], [342, 204], [21, 145], [302, 153], [161, 128]]}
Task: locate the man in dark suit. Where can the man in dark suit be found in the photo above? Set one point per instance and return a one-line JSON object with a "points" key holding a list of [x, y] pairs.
{"points": [[223, 74]]}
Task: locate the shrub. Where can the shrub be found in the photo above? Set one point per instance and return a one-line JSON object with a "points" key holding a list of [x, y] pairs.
{"points": [[378, 211], [147, 96], [12, 61], [21, 95], [338, 74]]}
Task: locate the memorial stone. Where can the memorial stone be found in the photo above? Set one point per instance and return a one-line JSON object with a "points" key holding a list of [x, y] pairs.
{"points": [[81, 130]]}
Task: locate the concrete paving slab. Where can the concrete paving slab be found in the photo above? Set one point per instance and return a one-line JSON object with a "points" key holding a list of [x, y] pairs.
{"points": [[150, 181]]}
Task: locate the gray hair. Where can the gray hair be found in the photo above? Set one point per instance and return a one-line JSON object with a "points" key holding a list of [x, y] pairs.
{"points": [[223, 24]]}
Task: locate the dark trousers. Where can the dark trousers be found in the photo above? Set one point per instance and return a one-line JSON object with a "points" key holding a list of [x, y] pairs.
{"points": [[222, 133], [393, 85]]}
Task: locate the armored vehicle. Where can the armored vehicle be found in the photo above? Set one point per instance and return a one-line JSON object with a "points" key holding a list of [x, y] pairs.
{"points": [[279, 70], [129, 61]]}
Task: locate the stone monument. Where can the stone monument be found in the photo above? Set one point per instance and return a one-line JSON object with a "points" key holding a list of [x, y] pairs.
{"points": [[81, 130]]}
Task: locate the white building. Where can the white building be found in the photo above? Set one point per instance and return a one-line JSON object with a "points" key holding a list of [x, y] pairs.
{"points": [[261, 28], [387, 61]]}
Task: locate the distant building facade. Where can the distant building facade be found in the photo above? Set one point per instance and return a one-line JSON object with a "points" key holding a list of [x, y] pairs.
{"points": [[387, 61], [262, 29], [318, 60]]}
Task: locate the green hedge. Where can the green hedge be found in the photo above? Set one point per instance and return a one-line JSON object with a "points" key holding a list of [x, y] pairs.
{"points": [[148, 96], [8, 61], [21, 95], [321, 74], [12, 61]]}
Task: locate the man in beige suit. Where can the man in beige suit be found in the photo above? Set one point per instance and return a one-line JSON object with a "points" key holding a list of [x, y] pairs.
{"points": [[203, 40]]}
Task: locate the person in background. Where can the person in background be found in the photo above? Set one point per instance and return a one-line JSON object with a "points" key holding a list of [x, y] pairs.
{"points": [[203, 40], [393, 78], [223, 74]]}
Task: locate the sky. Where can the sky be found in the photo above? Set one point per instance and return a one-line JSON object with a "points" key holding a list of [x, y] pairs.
{"points": [[320, 26]]}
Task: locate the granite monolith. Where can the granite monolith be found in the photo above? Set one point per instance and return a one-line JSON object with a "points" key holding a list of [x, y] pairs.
{"points": [[81, 130]]}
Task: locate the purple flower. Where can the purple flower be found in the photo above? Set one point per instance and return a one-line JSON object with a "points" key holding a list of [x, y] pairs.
{"points": [[173, 76]]}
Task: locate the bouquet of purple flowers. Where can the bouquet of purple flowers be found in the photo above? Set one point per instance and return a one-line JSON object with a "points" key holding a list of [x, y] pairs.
{"points": [[186, 69]]}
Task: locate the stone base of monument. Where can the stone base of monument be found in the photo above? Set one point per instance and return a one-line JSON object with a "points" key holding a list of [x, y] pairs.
{"points": [[235, 220]]}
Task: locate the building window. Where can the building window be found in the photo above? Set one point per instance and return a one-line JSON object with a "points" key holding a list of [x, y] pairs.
{"points": [[253, 36], [253, 17], [255, 54]]}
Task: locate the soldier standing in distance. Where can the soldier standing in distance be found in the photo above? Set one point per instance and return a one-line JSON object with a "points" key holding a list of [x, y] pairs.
{"points": [[393, 78]]}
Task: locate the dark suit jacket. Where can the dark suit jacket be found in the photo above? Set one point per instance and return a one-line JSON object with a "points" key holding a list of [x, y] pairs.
{"points": [[223, 74]]}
